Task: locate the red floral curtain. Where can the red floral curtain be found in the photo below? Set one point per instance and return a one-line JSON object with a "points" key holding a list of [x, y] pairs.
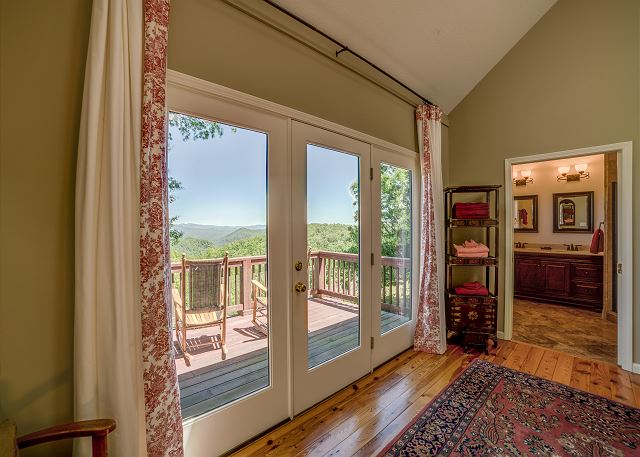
{"points": [[430, 331], [162, 397]]}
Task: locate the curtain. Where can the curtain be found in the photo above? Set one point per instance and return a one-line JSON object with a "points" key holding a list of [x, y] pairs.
{"points": [[162, 396], [123, 365], [430, 333]]}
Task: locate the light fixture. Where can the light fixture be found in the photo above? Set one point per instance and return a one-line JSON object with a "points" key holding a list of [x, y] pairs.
{"points": [[581, 173], [525, 178]]}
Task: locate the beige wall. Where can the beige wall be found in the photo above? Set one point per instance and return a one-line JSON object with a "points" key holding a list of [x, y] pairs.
{"points": [[43, 46], [545, 184], [213, 41], [571, 82]]}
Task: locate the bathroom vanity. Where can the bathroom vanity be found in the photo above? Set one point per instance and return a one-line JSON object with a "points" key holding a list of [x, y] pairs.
{"points": [[566, 277]]}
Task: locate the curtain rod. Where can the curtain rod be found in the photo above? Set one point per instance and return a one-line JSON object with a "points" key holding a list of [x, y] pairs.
{"points": [[345, 48]]}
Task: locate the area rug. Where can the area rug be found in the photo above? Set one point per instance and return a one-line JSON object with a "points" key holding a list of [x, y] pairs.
{"points": [[491, 410]]}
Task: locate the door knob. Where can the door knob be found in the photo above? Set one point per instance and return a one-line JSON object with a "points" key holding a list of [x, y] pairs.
{"points": [[298, 265], [300, 287]]}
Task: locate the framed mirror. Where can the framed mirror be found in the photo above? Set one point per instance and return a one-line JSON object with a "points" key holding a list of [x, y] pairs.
{"points": [[525, 213], [573, 212]]}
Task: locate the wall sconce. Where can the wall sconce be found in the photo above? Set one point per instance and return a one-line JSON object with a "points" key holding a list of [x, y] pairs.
{"points": [[524, 179], [581, 173]]}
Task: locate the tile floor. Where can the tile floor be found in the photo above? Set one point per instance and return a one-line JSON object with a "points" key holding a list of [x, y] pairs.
{"points": [[564, 328]]}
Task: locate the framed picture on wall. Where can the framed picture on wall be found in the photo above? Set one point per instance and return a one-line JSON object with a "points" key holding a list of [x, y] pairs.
{"points": [[573, 212], [525, 213]]}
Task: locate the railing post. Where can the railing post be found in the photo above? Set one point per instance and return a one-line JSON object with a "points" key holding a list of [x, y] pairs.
{"points": [[247, 305], [319, 274], [314, 263]]}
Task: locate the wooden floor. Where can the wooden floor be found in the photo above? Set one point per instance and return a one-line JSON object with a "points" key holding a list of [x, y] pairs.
{"points": [[362, 418], [566, 329], [209, 382]]}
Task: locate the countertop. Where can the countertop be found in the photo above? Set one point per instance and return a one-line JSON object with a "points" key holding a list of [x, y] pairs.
{"points": [[556, 251]]}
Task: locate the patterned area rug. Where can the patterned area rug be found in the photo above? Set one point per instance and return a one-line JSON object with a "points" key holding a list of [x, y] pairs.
{"points": [[491, 410]]}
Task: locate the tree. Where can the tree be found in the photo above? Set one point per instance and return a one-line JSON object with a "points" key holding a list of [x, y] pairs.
{"points": [[395, 211], [190, 128]]}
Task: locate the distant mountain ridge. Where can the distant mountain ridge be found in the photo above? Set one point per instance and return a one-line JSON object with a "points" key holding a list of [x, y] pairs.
{"points": [[220, 235]]}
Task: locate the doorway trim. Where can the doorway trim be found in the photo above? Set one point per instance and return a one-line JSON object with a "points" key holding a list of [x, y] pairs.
{"points": [[625, 238]]}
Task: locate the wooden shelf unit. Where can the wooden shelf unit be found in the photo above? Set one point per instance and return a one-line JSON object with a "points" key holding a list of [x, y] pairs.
{"points": [[472, 320]]}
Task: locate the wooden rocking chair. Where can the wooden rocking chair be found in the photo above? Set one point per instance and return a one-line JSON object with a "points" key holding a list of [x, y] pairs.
{"points": [[260, 306], [208, 299]]}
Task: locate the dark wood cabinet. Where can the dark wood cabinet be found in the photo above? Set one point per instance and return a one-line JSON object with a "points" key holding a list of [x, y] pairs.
{"points": [[571, 279]]}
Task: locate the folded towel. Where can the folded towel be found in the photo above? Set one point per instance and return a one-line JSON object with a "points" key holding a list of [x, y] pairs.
{"points": [[471, 214], [471, 205], [470, 288], [471, 250], [472, 254], [470, 244]]}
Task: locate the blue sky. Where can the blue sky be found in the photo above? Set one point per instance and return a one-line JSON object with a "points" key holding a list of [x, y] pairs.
{"points": [[224, 180]]}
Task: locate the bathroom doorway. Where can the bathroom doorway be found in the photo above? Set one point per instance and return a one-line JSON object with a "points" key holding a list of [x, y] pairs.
{"points": [[566, 288]]}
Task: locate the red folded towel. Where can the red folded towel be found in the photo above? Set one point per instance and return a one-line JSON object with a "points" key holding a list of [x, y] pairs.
{"points": [[478, 210], [462, 290], [472, 288]]}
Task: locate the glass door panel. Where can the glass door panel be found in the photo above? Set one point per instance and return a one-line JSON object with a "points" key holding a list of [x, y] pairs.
{"points": [[331, 237], [230, 246], [395, 246], [394, 225], [218, 239]]}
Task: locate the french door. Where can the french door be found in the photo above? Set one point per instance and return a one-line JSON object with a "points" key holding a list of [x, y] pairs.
{"points": [[308, 237], [353, 223], [229, 171], [331, 201]]}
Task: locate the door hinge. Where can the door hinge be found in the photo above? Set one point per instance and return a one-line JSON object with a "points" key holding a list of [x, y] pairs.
{"points": [[372, 342], [371, 174], [619, 268], [372, 260]]}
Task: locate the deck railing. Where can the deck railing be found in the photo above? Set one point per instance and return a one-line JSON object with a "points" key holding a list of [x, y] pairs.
{"points": [[332, 274]]}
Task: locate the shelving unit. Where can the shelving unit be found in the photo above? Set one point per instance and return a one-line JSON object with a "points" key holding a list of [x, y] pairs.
{"points": [[472, 320]]}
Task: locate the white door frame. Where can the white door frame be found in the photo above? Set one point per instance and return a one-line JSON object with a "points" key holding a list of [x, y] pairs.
{"points": [[625, 239]]}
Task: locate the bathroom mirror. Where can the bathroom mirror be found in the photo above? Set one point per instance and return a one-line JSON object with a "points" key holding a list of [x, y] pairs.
{"points": [[525, 213], [573, 212]]}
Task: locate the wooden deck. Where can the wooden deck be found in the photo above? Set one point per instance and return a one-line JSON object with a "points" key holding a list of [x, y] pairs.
{"points": [[210, 382]]}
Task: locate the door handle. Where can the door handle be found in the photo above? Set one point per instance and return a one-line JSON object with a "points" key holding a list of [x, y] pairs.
{"points": [[300, 287]]}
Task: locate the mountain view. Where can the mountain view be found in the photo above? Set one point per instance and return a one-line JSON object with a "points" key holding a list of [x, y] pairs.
{"points": [[212, 241]]}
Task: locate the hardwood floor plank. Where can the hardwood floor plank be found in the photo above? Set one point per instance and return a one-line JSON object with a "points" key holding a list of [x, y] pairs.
{"points": [[517, 357], [621, 388], [581, 374], [600, 379], [564, 368], [504, 351], [532, 361], [547, 365]]}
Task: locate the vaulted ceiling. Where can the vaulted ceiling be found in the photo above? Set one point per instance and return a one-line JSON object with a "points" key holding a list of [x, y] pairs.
{"points": [[441, 49]]}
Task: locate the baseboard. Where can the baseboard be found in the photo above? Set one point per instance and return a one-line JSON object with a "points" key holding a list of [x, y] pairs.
{"points": [[501, 335], [636, 368]]}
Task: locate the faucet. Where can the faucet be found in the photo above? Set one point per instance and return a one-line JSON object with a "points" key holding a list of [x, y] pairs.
{"points": [[520, 245], [573, 247]]}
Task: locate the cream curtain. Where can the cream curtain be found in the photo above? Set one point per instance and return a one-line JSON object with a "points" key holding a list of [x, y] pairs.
{"points": [[121, 333], [430, 333]]}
